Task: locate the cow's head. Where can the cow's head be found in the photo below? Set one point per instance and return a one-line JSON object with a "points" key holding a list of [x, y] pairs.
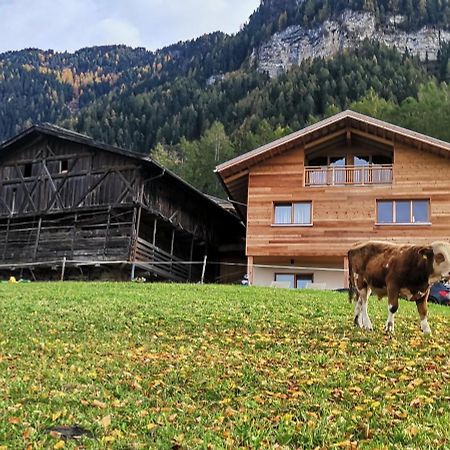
{"points": [[441, 259]]}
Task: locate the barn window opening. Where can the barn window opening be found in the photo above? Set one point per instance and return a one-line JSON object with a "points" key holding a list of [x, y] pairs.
{"points": [[28, 170], [403, 212], [296, 281], [63, 166], [295, 213]]}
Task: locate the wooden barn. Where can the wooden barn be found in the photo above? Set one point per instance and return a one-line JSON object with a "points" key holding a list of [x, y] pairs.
{"points": [[308, 197], [74, 207]]}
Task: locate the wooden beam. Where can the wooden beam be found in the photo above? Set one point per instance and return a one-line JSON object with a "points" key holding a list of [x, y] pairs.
{"points": [[66, 177], [25, 188], [5, 204], [91, 189], [191, 255], [74, 234], [38, 235], [155, 222], [6, 239], [49, 150], [236, 176], [250, 270], [81, 173], [129, 186], [171, 249], [326, 138], [372, 137], [52, 184], [108, 224]]}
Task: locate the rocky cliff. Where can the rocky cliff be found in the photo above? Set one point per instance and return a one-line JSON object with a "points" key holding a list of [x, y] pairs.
{"points": [[295, 43]]}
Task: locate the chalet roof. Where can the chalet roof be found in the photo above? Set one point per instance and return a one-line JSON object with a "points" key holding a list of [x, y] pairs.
{"points": [[72, 136], [234, 173]]}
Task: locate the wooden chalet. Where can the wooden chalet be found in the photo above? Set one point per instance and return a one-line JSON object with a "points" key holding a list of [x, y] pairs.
{"points": [[306, 198], [71, 204]]}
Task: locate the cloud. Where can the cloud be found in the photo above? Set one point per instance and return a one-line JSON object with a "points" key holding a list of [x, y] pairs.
{"points": [[116, 31], [73, 24]]}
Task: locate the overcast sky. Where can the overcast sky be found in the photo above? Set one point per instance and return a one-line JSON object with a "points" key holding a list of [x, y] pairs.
{"points": [[73, 24]]}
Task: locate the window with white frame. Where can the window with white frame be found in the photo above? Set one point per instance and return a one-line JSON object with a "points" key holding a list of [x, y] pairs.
{"points": [[296, 281], [403, 212], [293, 213]]}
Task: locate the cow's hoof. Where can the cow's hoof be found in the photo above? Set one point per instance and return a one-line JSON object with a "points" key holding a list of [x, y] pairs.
{"points": [[389, 327], [364, 322], [425, 327], [360, 321]]}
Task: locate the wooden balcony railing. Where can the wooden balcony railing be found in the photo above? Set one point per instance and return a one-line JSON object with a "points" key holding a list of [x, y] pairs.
{"points": [[348, 175]]}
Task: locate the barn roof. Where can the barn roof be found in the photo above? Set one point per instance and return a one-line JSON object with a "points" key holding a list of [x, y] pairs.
{"points": [[72, 136], [234, 173]]}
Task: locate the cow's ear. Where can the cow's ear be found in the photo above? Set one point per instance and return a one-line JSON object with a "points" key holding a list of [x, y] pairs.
{"points": [[439, 258], [426, 252]]}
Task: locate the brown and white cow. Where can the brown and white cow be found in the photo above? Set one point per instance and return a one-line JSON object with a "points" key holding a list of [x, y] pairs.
{"points": [[395, 271]]}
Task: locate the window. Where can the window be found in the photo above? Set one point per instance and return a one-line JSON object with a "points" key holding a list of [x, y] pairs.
{"points": [[63, 166], [296, 281], [27, 171], [403, 211], [297, 213]]}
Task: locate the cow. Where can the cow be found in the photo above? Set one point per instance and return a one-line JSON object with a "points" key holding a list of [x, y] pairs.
{"points": [[395, 270]]}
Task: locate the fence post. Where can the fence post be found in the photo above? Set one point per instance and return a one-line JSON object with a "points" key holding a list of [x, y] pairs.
{"points": [[63, 268], [204, 269]]}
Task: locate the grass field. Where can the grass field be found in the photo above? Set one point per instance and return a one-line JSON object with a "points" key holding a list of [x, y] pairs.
{"points": [[188, 366]]}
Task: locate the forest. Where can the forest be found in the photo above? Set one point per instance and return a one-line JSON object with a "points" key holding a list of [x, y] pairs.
{"points": [[195, 104]]}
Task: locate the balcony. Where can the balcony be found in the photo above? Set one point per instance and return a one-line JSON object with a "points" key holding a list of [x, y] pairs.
{"points": [[372, 174]]}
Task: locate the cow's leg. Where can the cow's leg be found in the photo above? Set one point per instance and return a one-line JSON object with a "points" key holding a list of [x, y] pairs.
{"points": [[360, 288], [422, 308], [361, 316], [392, 309], [358, 305], [364, 320]]}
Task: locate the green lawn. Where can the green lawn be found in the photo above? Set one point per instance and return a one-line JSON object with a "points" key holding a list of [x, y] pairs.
{"points": [[189, 366]]}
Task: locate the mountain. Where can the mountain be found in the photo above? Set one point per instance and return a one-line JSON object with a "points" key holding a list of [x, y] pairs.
{"points": [[348, 30], [195, 103]]}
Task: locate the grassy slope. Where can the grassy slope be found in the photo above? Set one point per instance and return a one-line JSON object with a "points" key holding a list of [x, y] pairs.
{"points": [[174, 366]]}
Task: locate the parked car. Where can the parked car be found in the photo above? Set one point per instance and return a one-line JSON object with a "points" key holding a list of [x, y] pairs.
{"points": [[440, 293]]}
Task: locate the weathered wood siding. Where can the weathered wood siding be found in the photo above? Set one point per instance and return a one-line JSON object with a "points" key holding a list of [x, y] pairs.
{"points": [[343, 215], [86, 235], [31, 180]]}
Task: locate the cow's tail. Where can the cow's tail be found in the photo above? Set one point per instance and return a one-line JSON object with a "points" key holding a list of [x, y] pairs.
{"points": [[351, 280]]}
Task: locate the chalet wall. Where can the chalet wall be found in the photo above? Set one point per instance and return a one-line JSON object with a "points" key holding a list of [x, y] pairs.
{"points": [[328, 279], [343, 215]]}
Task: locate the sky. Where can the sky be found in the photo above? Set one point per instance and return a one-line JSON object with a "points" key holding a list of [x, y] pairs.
{"points": [[73, 24]]}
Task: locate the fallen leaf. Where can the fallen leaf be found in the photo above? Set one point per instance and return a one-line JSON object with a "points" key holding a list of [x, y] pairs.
{"points": [[99, 404], [56, 415], [106, 421]]}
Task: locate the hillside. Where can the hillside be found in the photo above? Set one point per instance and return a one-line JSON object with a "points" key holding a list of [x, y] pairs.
{"points": [[192, 367], [290, 65]]}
